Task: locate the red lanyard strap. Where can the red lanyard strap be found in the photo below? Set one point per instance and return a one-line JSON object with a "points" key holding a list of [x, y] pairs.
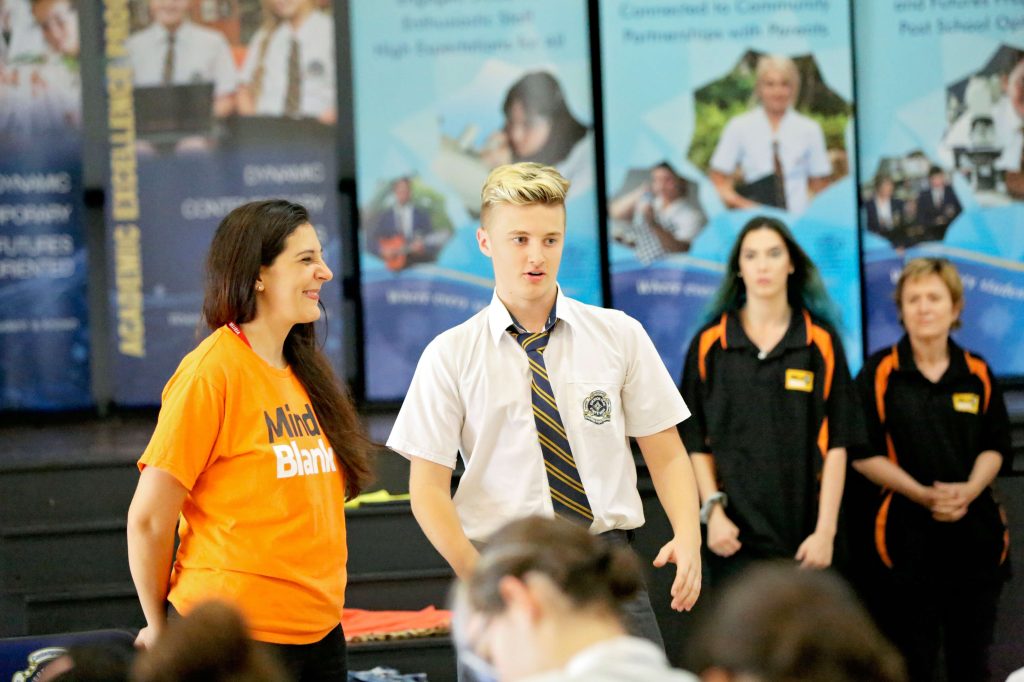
{"points": [[239, 333]]}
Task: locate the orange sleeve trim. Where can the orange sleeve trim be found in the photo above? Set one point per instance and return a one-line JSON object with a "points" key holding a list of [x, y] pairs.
{"points": [[823, 340], [980, 370], [707, 340], [823, 438], [885, 368], [880, 521], [1006, 535], [890, 449]]}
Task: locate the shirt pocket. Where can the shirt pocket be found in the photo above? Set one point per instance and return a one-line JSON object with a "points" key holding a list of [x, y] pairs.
{"points": [[592, 415], [798, 159]]}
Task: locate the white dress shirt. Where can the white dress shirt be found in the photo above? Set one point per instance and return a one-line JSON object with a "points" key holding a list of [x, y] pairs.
{"points": [[26, 41], [201, 55], [681, 217], [43, 97], [883, 207], [471, 394], [403, 218], [747, 140], [623, 659], [1009, 134], [316, 54]]}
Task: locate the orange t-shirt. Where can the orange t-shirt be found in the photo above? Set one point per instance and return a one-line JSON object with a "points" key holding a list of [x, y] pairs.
{"points": [[263, 524]]}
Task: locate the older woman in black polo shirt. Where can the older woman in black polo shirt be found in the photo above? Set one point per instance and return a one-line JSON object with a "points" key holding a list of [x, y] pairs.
{"points": [[938, 433], [773, 408]]}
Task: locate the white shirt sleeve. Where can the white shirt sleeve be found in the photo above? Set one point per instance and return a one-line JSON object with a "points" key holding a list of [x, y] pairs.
{"points": [[225, 78], [727, 151], [252, 57], [651, 402], [818, 163], [684, 220], [429, 425]]}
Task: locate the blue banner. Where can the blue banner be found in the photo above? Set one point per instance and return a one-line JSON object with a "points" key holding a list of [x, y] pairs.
{"points": [[468, 86], [44, 334], [941, 148], [209, 107], [716, 112]]}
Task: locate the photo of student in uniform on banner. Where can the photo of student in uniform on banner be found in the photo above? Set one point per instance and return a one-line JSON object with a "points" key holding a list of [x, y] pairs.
{"points": [[211, 105], [43, 303], [695, 147], [517, 89], [941, 150], [404, 228]]}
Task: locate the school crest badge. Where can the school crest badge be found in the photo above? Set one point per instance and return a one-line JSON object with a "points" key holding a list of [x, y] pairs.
{"points": [[597, 407], [37, 662]]}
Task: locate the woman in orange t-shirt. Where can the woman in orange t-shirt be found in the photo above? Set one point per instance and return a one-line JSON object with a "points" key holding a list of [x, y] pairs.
{"points": [[243, 452]]}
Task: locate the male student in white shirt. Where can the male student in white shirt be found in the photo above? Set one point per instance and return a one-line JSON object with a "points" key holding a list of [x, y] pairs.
{"points": [[175, 51], [545, 434]]}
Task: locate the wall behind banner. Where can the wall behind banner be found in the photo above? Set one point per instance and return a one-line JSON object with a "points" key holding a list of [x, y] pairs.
{"points": [[680, 106], [942, 106], [469, 87]]}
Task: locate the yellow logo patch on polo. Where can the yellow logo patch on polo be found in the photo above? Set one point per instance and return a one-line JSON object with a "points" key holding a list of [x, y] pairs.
{"points": [[966, 402], [799, 380]]}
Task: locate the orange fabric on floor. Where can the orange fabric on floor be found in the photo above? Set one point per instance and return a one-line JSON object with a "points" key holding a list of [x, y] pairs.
{"points": [[362, 624]]}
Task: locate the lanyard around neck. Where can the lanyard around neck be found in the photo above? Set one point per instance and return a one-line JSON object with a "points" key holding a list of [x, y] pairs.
{"points": [[239, 333]]}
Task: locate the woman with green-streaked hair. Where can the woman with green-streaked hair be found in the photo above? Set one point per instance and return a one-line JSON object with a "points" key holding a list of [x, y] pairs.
{"points": [[773, 407]]}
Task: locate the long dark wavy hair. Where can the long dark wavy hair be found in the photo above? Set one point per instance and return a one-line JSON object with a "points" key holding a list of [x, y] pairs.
{"points": [[541, 95], [805, 288], [249, 237]]}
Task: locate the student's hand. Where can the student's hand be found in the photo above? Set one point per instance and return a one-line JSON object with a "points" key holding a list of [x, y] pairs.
{"points": [[950, 516], [954, 494], [926, 496], [952, 501], [328, 116], [816, 550], [723, 535], [648, 213], [686, 557], [147, 637]]}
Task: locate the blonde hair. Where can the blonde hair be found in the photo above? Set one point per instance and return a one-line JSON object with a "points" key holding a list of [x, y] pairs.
{"points": [[521, 184], [922, 267], [784, 65]]}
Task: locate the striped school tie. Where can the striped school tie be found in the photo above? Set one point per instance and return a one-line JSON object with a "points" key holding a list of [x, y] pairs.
{"points": [[293, 93], [567, 493], [167, 74]]}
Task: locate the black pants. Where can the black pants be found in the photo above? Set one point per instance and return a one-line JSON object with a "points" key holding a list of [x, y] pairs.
{"points": [[323, 661], [922, 616]]}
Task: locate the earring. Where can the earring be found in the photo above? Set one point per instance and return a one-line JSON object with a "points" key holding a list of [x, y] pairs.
{"points": [[259, 286]]}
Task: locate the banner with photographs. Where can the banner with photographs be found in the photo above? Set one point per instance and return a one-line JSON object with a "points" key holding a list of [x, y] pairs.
{"points": [[210, 105], [44, 335], [716, 112], [941, 151], [470, 86]]}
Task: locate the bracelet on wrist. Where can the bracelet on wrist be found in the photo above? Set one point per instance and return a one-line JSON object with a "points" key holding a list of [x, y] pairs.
{"points": [[709, 505]]}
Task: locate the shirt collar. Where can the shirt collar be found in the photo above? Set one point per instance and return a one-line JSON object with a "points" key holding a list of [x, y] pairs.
{"points": [[499, 319], [957, 362], [786, 116], [796, 335], [178, 32]]}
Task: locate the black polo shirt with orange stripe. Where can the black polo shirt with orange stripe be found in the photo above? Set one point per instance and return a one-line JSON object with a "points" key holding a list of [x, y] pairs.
{"points": [[935, 432], [769, 422]]}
